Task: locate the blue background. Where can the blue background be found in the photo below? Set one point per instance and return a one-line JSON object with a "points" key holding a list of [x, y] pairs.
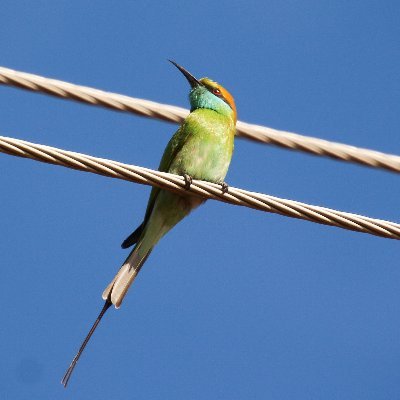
{"points": [[233, 303]]}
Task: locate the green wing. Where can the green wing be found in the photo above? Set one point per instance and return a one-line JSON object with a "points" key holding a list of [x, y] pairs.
{"points": [[170, 152]]}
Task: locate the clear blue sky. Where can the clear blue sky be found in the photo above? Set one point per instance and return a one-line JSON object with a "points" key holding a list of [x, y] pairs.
{"points": [[233, 303]]}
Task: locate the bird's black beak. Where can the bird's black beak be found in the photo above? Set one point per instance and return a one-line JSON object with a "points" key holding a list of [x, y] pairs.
{"points": [[191, 79]]}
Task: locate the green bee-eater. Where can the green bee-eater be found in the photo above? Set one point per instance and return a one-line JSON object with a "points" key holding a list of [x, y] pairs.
{"points": [[201, 149]]}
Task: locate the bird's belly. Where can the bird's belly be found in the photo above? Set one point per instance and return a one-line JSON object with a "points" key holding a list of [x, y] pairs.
{"points": [[206, 160]]}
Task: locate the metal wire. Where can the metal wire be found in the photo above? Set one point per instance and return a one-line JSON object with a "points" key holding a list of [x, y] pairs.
{"points": [[169, 113], [208, 190]]}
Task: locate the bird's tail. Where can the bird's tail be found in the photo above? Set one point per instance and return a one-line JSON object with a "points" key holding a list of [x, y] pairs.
{"points": [[117, 289]]}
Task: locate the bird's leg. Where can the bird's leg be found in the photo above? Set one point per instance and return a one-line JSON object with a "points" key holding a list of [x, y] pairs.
{"points": [[188, 181], [224, 187]]}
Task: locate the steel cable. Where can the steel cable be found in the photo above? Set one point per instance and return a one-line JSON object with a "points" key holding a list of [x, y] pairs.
{"points": [[176, 183], [169, 113]]}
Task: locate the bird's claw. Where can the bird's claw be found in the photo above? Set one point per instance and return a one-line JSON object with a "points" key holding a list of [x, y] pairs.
{"points": [[224, 187], [188, 181]]}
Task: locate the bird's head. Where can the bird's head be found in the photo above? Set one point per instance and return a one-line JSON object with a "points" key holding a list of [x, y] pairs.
{"points": [[205, 93]]}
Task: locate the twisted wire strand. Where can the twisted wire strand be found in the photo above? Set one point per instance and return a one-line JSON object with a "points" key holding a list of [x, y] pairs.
{"points": [[170, 113], [176, 183]]}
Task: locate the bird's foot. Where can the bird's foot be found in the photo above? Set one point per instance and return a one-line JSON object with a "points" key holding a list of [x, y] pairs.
{"points": [[188, 181], [224, 187]]}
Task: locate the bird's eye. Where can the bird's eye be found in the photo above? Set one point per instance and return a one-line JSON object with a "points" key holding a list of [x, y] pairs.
{"points": [[217, 92]]}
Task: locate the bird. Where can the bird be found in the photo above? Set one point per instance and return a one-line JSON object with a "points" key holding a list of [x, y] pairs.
{"points": [[202, 149]]}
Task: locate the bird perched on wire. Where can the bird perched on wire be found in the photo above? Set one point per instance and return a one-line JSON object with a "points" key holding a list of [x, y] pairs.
{"points": [[201, 149]]}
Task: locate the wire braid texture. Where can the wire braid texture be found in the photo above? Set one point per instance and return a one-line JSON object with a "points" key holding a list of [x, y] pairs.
{"points": [[169, 113], [176, 183]]}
